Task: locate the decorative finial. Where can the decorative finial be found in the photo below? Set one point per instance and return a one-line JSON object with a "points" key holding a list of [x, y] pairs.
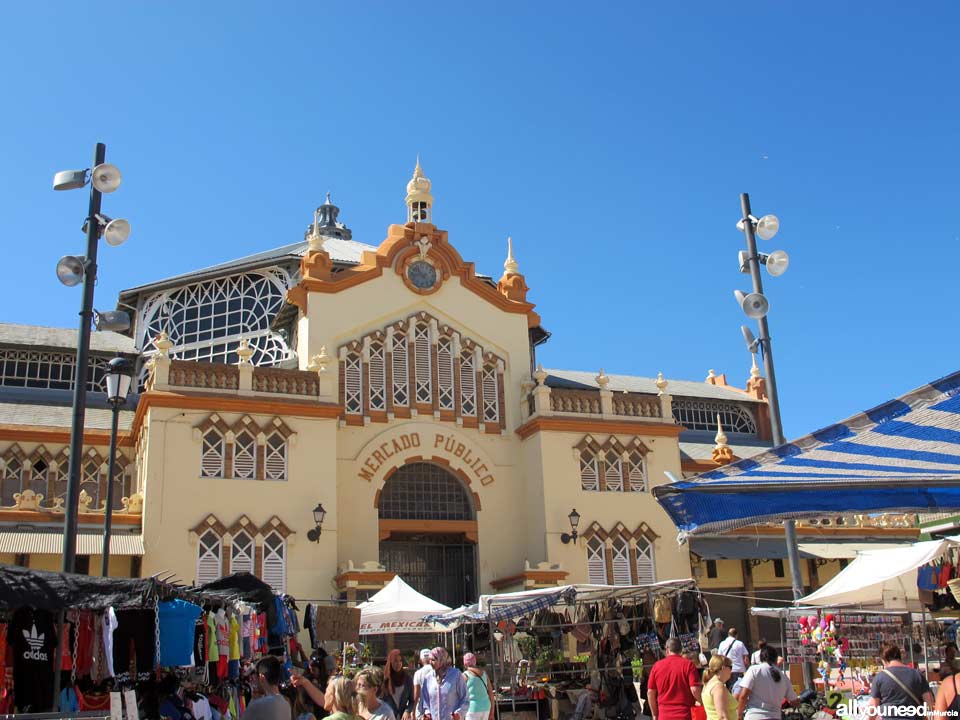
{"points": [[722, 454], [711, 375], [328, 199], [510, 267], [721, 437], [661, 383], [163, 344], [244, 352], [540, 375], [319, 362], [419, 200], [754, 371], [602, 380]]}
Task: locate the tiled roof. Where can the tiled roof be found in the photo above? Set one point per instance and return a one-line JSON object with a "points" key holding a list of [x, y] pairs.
{"points": [[60, 416], [347, 252], [580, 380], [47, 337]]}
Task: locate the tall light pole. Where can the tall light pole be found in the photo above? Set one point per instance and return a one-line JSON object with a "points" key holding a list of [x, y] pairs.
{"points": [[72, 270], [119, 376], [755, 306]]}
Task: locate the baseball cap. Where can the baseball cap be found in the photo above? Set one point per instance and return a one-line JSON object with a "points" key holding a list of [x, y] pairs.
{"points": [[718, 620], [425, 654]]}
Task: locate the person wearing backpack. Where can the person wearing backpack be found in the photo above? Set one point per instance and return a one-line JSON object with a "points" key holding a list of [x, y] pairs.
{"points": [[737, 652], [898, 687]]}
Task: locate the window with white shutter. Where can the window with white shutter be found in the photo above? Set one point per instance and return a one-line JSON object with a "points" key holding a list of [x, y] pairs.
{"points": [[646, 570], [241, 553], [214, 452], [491, 398], [90, 481], [401, 372], [208, 557], [589, 476], [637, 472], [445, 372], [621, 561], [613, 471], [38, 477], [421, 351], [353, 384], [596, 561], [378, 376], [468, 384], [275, 562], [12, 476], [245, 456], [275, 457]]}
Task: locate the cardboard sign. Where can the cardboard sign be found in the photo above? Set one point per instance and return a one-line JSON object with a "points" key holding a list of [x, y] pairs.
{"points": [[341, 624]]}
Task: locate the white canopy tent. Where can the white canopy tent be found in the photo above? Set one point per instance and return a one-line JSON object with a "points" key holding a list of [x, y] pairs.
{"points": [[398, 608], [881, 579]]}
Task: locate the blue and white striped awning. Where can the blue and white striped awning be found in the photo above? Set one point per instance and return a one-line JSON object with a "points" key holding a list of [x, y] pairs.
{"points": [[902, 456]]}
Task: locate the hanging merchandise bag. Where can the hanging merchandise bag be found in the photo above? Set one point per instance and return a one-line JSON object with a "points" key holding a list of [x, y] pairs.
{"points": [[662, 610]]}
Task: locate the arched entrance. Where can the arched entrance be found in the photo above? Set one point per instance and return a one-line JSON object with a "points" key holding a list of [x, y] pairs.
{"points": [[428, 532]]}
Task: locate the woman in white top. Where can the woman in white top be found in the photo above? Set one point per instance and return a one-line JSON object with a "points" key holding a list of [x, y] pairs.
{"points": [[369, 684], [764, 688]]}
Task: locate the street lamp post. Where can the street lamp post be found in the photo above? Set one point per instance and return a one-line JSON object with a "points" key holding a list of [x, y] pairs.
{"points": [[119, 376], [756, 306]]}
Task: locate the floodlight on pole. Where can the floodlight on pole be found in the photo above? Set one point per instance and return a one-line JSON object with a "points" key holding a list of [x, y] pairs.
{"points": [[106, 178], [71, 269]]}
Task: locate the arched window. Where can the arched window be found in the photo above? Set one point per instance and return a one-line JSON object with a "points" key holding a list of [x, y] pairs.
{"points": [[90, 481], [275, 562], [241, 553], [423, 491], [401, 374], [245, 456], [421, 343], [445, 373], [209, 550], [378, 376], [12, 478], [353, 384], [596, 561], [612, 471], [646, 570], [214, 453], [38, 476], [275, 462], [589, 475], [468, 384], [620, 550]]}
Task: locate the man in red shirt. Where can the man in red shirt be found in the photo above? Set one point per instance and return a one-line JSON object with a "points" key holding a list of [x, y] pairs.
{"points": [[673, 686]]}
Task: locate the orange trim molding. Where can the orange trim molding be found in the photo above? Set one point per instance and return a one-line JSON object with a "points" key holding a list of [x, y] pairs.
{"points": [[698, 466], [452, 527], [230, 403], [568, 423], [375, 579], [53, 435], [32, 516], [533, 577], [399, 247]]}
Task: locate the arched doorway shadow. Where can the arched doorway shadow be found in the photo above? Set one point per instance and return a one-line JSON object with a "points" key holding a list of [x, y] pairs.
{"points": [[428, 532]]}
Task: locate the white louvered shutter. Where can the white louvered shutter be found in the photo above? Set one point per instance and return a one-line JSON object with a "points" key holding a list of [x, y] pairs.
{"points": [[91, 482], [421, 350], [589, 477], [468, 384], [445, 372], [275, 562], [208, 557], [353, 384], [245, 456], [596, 562], [211, 460], [401, 372], [638, 472], [491, 399], [613, 471], [646, 569], [275, 460], [378, 376], [241, 553], [621, 562]]}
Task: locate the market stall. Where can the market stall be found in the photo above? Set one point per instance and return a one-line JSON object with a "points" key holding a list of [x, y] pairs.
{"points": [[549, 645], [135, 643]]}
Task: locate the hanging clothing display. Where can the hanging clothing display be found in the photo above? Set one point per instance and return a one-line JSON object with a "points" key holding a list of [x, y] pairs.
{"points": [[32, 636], [177, 619]]}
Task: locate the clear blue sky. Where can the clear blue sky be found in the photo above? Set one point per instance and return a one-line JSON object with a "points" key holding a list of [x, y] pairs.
{"points": [[610, 140]]}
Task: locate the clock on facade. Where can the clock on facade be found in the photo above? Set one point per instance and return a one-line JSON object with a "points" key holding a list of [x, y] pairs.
{"points": [[422, 274]]}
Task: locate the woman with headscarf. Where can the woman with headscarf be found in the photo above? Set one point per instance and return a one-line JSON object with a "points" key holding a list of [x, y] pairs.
{"points": [[479, 691], [444, 693], [398, 687]]}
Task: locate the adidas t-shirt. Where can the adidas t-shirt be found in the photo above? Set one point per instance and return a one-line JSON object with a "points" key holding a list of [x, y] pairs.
{"points": [[32, 636]]}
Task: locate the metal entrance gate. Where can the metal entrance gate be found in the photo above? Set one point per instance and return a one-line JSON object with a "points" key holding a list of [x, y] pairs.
{"points": [[443, 568]]}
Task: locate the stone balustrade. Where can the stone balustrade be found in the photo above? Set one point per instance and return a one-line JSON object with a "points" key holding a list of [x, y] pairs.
{"points": [[574, 401], [645, 406], [286, 382], [205, 376]]}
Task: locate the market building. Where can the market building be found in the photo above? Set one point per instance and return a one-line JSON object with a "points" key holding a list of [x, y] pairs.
{"points": [[392, 384]]}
